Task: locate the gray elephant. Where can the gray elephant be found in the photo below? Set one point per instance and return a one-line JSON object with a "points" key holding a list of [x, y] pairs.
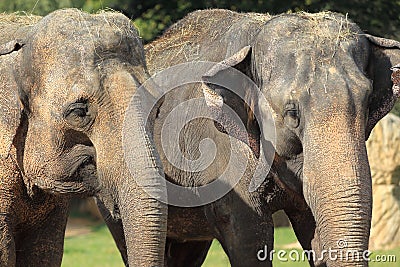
{"points": [[324, 84], [66, 81]]}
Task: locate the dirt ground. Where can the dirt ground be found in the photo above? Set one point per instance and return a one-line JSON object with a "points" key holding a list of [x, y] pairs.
{"points": [[79, 226]]}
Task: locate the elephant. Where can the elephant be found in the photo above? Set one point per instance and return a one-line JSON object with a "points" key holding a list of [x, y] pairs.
{"points": [[314, 86], [66, 82]]}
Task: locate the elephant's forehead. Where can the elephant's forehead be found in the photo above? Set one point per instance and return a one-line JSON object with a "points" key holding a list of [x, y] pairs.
{"points": [[320, 35], [73, 33], [323, 25], [73, 36]]}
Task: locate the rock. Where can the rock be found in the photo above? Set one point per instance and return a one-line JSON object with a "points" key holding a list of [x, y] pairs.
{"points": [[383, 148]]}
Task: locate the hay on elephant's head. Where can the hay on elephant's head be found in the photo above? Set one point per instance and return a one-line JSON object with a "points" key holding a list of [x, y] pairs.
{"points": [[262, 17], [320, 26], [204, 24], [319, 29], [20, 18], [193, 26], [320, 34]]}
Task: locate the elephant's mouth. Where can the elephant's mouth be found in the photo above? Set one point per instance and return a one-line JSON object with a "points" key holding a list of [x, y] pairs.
{"points": [[77, 174], [76, 160], [83, 179], [85, 166]]}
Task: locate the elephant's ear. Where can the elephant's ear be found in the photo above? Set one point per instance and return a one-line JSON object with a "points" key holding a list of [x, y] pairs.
{"points": [[228, 87], [385, 54], [10, 105]]}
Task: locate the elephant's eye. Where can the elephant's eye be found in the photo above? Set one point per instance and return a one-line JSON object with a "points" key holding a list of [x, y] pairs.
{"points": [[78, 109], [78, 114], [291, 115]]}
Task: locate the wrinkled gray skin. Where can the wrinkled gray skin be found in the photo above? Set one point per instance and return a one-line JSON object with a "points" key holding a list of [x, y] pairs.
{"points": [[66, 82], [327, 85]]}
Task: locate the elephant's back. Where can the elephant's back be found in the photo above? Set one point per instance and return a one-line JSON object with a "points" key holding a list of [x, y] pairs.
{"points": [[201, 35]]}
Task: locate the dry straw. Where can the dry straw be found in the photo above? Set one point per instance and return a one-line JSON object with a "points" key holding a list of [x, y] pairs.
{"points": [[196, 28], [20, 18]]}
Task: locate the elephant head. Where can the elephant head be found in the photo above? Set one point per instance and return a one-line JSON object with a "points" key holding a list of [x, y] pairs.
{"points": [[65, 88], [326, 85]]}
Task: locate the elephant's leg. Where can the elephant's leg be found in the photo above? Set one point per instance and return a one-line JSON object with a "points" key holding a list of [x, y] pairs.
{"points": [[7, 244], [43, 246], [182, 254], [247, 235], [116, 228]]}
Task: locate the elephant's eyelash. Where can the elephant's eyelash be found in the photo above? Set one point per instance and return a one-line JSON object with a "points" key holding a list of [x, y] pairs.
{"points": [[75, 107], [291, 112], [82, 100], [291, 109]]}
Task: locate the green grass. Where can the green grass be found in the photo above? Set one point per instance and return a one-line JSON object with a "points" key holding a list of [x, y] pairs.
{"points": [[216, 256], [97, 249]]}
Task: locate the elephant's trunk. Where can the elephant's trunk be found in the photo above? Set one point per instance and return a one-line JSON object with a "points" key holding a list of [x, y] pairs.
{"points": [[144, 223], [337, 187], [143, 215]]}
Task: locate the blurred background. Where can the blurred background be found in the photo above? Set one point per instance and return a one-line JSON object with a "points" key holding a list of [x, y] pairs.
{"points": [[88, 242]]}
